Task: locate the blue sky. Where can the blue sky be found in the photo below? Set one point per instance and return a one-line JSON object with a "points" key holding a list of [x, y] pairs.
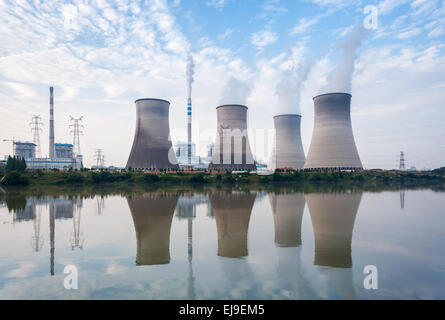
{"points": [[102, 55]]}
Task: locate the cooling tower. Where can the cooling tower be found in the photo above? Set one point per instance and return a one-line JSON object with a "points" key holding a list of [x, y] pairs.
{"points": [[289, 151], [287, 216], [232, 215], [232, 148], [333, 217], [333, 145], [152, 147], [152, 217]]}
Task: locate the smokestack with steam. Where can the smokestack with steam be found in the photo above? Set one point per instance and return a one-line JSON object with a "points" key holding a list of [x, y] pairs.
{"points": [[190, 73]]}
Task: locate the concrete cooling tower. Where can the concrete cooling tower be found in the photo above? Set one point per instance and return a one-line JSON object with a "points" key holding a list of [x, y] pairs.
{"points": [[232, 215], [333, 217], [288, 151], [152, 217], [333, 145], [287, 216], [232, 148], [152, 147]]}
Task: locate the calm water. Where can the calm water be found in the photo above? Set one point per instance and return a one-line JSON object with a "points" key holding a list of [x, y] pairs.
{"points": [[223, 245]]}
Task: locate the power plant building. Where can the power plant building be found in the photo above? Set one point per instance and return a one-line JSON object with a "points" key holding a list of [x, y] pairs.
{"points": [[333, 145], [25, 150], [288, 148], [232, 148], [152, 147], [61, 155]]}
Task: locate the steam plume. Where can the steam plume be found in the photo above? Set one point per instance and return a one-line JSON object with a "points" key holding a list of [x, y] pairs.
{"points": [[190, 73], [340, 79], [289, 88], [234, 92]]}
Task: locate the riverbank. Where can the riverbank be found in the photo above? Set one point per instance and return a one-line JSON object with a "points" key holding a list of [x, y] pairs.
{"points": [[364, 178]]}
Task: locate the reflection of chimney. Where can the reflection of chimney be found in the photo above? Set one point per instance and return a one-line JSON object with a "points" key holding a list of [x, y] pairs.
{"points": [[52, 154], [287, 215], [152, 217], [232, 214], [52, 227], [333, 217]]}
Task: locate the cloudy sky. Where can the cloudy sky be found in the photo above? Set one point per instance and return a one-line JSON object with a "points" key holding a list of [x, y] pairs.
{"points": [[102, 55]]}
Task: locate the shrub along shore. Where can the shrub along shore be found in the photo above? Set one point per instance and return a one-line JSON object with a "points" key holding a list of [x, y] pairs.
{"points": [[131, 177]]}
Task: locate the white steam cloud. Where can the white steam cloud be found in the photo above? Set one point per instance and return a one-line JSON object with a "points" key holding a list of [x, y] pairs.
{"points": [[190, 73], [235, 92], [340, 79], [289, 88]]}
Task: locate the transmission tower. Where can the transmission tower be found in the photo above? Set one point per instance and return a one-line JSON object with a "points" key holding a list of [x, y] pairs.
{"points": [[35, 124], [76, 127], [77, 238], [99, 157], [402, 161]]}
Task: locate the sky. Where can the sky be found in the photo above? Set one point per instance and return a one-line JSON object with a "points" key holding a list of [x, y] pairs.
{"points": [[101, 56]]}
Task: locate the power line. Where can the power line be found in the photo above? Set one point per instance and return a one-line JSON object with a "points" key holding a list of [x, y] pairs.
{"points": [[99, 157]]}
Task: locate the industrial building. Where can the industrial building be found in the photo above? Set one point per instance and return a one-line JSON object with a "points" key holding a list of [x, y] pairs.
{"points": [[232, 148], [25, 150], [333, 217], [61, 155], [333, 145], [183, 156], [152, 147], [288, 150]]}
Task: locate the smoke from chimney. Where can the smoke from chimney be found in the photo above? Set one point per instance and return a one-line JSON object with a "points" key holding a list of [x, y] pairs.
{"points": [[235, 92], [340, 79], [190, 73], [289, 88]]}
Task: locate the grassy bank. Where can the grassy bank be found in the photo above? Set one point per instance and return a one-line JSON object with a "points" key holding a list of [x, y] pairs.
{"points": [[131, 178]]}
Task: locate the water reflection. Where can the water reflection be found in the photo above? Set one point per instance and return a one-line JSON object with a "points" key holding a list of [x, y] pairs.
{"points": [[287, 216], [232, 214], [152, 216], [232, 244]]}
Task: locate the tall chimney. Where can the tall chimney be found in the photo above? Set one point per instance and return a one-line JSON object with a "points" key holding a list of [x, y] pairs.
{"points": [[51, 123], [189, 130]]}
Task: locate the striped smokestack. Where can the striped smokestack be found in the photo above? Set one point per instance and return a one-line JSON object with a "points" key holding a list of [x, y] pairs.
{"points": [[189, 130], [51, 123]]}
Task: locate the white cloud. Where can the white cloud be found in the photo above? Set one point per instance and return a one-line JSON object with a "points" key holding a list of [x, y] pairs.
{"points": [[409, 33], [263, 38], [217, 3], [303, 25]]}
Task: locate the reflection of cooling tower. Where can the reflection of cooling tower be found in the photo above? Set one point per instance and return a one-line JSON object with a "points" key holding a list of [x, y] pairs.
{"points": [[333, 217], [287, 215], [289, 151], [232, 214], [232, 148], [333, 144], [152, 147], [152, 217]]}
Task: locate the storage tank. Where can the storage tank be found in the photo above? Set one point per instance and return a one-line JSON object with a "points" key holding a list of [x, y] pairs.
{"points": [[152, 147], [232, 149], [333, 145]]}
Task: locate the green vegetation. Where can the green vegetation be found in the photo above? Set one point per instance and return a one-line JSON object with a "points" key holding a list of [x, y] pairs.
{"points": [[293, 178], [15, 164]]}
